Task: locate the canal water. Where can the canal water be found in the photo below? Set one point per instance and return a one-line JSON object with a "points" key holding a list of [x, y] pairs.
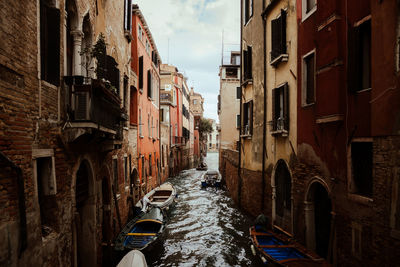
{"points": [[205, 227]]}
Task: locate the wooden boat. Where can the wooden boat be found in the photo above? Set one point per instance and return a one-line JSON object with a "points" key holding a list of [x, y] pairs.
{"points": [[211, 178], [275, 248], [162, 196], [202, 167], [142, 231], [134, 258]]}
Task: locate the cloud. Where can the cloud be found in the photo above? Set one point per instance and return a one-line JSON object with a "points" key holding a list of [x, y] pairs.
{"points": [[192, 30]]}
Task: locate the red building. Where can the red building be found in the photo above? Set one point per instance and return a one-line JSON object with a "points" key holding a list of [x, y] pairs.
{"points": [[145, 101], [347, 187]]}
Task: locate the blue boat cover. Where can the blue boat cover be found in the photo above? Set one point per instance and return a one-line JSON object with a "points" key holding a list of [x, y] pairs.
{"points": [[280, 254]]}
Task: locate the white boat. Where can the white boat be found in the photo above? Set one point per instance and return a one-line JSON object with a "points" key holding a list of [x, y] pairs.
{"points": [[133, 258], [162, 196], [211, 178]]}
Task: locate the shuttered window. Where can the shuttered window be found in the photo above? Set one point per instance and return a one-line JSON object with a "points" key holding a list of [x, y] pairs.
{"points": [[112, 73], [247, 60], [149, 84], [141, 73], [248, 118], [128, 15], [278, 31], [238, 92], [280, 108], [50, 44], [308, 88], [359, 57], [248, 10]]}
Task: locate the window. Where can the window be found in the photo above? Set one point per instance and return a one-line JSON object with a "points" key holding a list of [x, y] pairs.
{"points": [[310, 4], [247, 66], [231, 73], [115, 174], [278, 38], [143, 170], [152, 127], [194, 101], [126, 170], [140, 33], [308, 88], [141, 73], [126, 82], [148, 125], [238, 92], [149, 84], [46, 187], [150, 165], [361, 168], [248, 10], [157, 133], [280, 108], [134, 106], [140, 123], [128, 15], [147, 47], [49, 44], [238, 121], [210, 145], [162, 115], [359, 62], [154, 57], [247, 118]]}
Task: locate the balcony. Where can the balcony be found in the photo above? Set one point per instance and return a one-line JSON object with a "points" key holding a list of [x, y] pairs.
{"points": [[94, 108], [166, 97]]}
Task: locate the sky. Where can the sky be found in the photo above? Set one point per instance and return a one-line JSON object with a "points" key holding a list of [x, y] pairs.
{"points": [[193, 30]]}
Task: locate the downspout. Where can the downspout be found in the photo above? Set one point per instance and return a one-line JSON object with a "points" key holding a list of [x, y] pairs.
{"points": [[241, 115], [265, 112]]}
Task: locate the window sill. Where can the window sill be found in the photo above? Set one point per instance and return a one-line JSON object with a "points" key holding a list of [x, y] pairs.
{"points": [[363, 90], [246, 136], [283, 133], [141, 136], [307, 105], [360, 199], [246, 82], [46, 83], [281, 58], [247, 22], [118, 196]]}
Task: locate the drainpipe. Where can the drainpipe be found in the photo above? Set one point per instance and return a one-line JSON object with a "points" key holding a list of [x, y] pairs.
{"points": [[241, 115], [265, 112]]}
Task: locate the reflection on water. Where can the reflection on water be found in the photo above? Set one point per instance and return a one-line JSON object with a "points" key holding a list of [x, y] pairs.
{"points": [[205, 227]]}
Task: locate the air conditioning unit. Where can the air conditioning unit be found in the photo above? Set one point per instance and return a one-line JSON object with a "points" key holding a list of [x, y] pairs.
{"points": [[81, 106]]}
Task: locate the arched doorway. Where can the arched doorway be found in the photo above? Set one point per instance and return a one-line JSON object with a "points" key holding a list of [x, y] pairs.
{"points": [[85, 217], [283, 196], [318, 215]]}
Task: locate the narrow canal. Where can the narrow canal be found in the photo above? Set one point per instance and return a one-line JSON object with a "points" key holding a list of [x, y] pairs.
{"points": [[205, 228]]}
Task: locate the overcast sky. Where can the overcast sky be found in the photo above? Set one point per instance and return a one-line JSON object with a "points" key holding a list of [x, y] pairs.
{"points": [[194, 30]]}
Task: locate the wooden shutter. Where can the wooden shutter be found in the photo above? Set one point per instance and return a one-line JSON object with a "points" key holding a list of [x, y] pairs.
{"points": [[276, 38], [246, 11], [141, 72], [244, 65], [275, 107], [238, 92], [251, 116], [286, 105], [249, 62], [245, 117], [283, 32], [149, 84]]}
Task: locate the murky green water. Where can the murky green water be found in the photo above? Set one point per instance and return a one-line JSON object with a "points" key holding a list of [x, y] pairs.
{"points": [[205, 227]]}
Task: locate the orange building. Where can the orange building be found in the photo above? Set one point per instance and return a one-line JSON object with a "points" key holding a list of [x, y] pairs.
{"points": [[145, 102]]}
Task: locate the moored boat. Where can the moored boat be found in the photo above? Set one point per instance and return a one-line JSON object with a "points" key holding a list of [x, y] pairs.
{"points": [[162, 197], [211, 178], [274, 248], [133, 258], [202, 167], [142, 231]]}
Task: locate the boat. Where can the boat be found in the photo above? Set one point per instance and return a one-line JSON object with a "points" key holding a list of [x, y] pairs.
{"points": [[211, 178], [134, 258], [162, 197], [202, 167], [278, 249], [142, 231]]}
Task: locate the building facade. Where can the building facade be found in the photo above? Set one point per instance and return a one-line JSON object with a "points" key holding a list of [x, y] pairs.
{"points": [[196, 107], [146, 65], [70, 197]]}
